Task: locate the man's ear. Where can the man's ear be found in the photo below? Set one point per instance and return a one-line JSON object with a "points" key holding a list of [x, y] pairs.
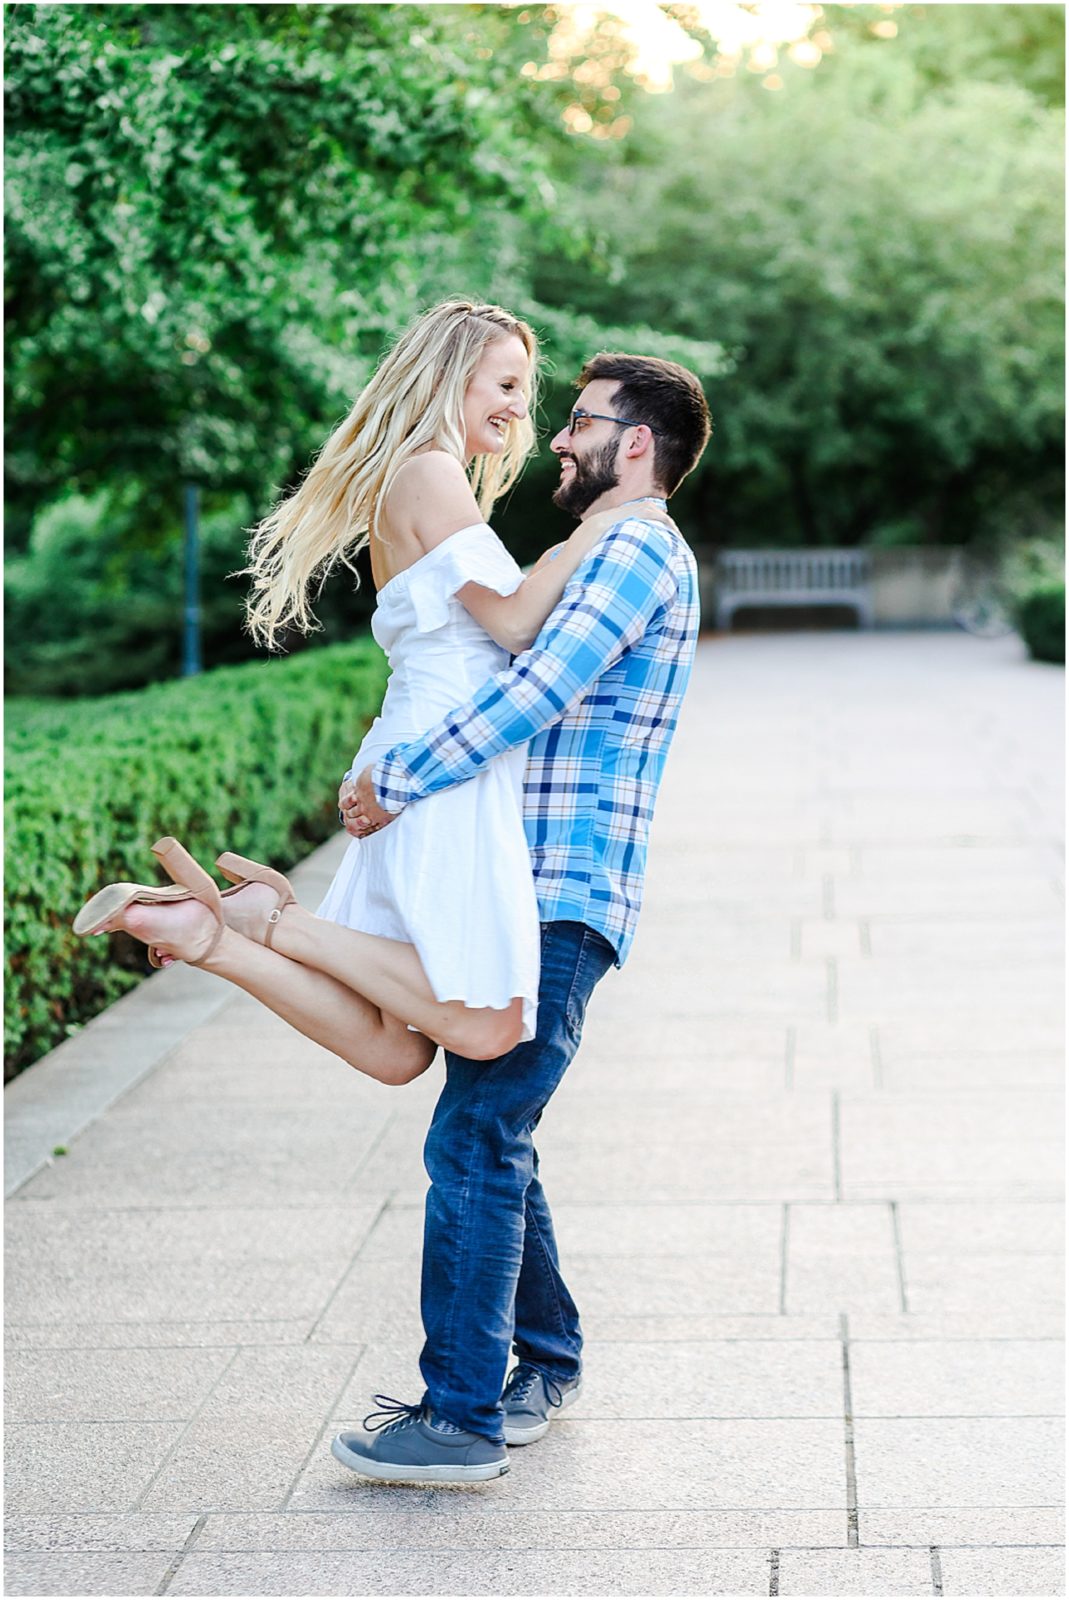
{"points": [[640, 444]]}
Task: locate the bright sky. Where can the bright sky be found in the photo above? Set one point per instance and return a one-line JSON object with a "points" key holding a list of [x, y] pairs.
{"points": [[756, 32]]}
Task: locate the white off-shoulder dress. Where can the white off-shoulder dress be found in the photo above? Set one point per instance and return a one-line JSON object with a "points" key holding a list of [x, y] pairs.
{"points": [[452, 875]]}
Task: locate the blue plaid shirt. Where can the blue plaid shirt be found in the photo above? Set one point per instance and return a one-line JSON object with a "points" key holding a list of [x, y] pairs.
{"points": [[598, 696]]}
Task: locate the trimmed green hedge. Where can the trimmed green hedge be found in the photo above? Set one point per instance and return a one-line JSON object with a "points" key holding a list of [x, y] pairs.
{"points": [[244, 758], [1041, 619]]}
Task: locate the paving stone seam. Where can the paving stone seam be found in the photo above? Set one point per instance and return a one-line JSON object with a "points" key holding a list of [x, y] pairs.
{"points": [[972, 1338], [182, 1436], [852, 1534], [333, 1344], [222, 1344], [388, 1126], [937, 1570], [506, 1515], [74, 1130], [166, 1322], [492, 1510], [353, 1262], [467, 1549], [905, 1508], [191, 1539], [785, 1226], [328, 1423], [773, 1572], [924, 919], [948, 1053], [953, 1416], [900, 1265], [386, 1206]]}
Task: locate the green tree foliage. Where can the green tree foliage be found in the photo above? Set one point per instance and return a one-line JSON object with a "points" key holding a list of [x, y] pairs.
{"points": [[217, 217], [881, 258], [951, 44], [217, 214]]}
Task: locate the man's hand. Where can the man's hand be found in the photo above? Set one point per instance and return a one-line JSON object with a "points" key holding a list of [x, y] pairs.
{"points": [[360, 812]]}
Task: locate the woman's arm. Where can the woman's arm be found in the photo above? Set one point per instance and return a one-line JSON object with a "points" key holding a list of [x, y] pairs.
{"points": [[514, 621], [547, 555], [432, 499]]}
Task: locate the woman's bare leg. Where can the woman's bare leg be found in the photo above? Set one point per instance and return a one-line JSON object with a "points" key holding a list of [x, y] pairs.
{"points": [[385, 975], [390, 973], [325, 1010], [317, 1005]]}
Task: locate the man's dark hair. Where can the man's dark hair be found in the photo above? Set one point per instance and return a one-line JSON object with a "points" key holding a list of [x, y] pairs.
{"points": [[668, 399]]}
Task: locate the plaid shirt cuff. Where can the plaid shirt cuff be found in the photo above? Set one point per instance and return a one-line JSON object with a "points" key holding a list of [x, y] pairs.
{"points": [[393, 784]]}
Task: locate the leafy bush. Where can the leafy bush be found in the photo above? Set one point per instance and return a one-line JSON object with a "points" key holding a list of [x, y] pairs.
{"points": [[95, 603], [1041, 619], [1034, 574], [246, 758]]}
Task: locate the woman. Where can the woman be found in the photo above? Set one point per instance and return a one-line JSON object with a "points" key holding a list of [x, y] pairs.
{"points": [[439, 935]]}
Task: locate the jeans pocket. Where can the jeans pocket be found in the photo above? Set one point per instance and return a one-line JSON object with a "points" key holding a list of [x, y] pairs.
{"points": [[595, 957]]}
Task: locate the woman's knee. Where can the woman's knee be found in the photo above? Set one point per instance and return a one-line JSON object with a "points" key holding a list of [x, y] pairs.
{"points": [[397, 1063], [485, 1035], [399, 1072]]}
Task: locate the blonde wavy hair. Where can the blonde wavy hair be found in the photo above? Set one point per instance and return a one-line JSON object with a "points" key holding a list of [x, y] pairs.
{"points": [[415, 399]]}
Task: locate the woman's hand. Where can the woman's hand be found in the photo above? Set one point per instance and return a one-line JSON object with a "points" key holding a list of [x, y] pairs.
{"points": [[358, 808], [588, 533], [514, 621]]}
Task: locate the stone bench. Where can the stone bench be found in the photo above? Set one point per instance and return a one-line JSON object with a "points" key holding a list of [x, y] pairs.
{"points": [[793, 578]]}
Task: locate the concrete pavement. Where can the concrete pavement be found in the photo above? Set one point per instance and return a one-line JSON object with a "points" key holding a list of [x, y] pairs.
{"points": [[806, 1173]]}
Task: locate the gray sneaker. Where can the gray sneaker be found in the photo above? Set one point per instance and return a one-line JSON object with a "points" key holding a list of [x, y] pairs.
{"points": [[414, 1449], [529, 1396]]}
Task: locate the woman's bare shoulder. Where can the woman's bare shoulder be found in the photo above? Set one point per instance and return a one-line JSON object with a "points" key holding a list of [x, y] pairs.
{"points": [[431, 498], [430, 469]]}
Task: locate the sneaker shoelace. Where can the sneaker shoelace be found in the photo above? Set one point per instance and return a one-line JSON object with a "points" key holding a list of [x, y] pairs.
{"points": [[523, 1381], [395, 1414]]}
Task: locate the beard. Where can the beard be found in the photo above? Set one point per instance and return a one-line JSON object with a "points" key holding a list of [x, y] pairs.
{"points": [[594, 475]]}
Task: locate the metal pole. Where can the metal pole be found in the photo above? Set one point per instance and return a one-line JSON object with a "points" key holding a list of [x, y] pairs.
{"points": [[191, 619]]}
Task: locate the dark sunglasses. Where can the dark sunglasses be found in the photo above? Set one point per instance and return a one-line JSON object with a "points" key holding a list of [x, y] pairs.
{"points": [[578, 418]]}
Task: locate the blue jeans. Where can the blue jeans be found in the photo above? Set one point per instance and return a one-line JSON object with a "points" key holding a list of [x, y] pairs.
{"points": [[490, 1268]]}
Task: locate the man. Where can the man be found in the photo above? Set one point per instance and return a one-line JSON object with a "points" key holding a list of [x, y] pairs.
{"points": [[597, 696]]}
